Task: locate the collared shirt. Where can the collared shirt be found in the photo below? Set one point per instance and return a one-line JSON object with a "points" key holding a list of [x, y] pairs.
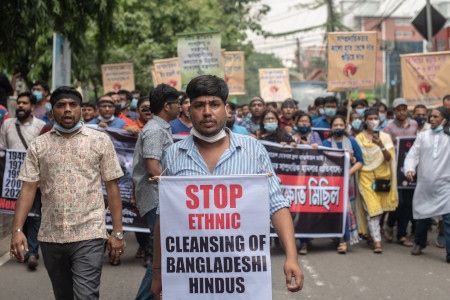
{"points": [[115, 123], [321, 122], [70, 171], [395, 129], [245, 156], [9, 138], [152, 141], [249, 124]]}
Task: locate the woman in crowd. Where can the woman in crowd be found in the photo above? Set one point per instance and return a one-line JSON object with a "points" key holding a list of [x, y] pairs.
{"points": [[340, 140], [271, 131], [303, 133], [355, 125], [377, 177]]}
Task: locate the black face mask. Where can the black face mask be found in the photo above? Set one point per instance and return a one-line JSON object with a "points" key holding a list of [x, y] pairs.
{"points": [[420, 120], [338, 132]]}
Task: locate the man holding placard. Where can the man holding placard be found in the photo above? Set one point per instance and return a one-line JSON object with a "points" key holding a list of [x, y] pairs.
{"points": [[213, 150]]}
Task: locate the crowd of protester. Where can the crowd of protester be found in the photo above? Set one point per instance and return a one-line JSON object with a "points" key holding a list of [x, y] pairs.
{"points": [[368, 130]]}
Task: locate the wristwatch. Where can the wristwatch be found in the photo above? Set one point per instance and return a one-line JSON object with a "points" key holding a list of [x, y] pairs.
{"points": [[117, 235]]}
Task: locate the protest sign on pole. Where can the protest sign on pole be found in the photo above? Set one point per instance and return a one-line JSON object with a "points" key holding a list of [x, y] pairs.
{"points": [[316, 184], [199, 54], [274, 84], [235, 72], [167, 71], [351, 60], [219, 245], [404, 143], [61, 65], [425, 78], [118, 77]]}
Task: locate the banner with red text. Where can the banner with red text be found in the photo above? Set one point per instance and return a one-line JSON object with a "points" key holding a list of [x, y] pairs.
{"points": [[316, 183], [425, 78], [118, 77], [352, 59], [219, 246], [274, 84], [235, 72], [167, 71]]}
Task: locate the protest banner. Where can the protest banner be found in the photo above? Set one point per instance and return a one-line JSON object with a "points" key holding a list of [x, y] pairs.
{"points": [[61, 64], [219, 246], [118, 77], [274, 84], [167, 71], [316, 183], [199, 54], [424, 78], [351, 60], [235, 72], [404, 143]]}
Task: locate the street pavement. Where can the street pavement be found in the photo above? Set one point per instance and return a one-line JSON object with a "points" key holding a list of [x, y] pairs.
{"points": [[359, 274]]}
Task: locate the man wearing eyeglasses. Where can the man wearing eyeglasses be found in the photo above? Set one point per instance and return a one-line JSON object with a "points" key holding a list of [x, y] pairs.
{"points": [[145, 114], [155, 137], [106, 117]]}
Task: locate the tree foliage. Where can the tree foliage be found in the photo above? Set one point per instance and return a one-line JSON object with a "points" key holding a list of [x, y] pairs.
{"points": [[113, 31]]}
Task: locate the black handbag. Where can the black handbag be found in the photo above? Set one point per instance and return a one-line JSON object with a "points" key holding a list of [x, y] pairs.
{"points": [[381, 185]]}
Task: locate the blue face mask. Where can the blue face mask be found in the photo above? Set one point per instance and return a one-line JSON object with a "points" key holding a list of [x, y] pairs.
{"points": [[356, 124], [48, 107], [133, 104], [321, 111], [68, 130], [38, 95], [382, 117], [330, 112], [302, 129], [313, 116], [437, 129], [270, 127], [360, 112]]}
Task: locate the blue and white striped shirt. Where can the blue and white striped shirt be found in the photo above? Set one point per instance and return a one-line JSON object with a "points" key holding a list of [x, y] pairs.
{"points": [[184, 159]]}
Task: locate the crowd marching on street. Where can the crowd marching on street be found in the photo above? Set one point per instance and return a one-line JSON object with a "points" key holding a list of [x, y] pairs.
{"points": [[67, 160]]}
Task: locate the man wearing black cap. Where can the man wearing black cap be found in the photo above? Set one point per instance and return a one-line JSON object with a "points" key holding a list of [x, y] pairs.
{"points": [[106, 116], [69, 163], [251, 122]]}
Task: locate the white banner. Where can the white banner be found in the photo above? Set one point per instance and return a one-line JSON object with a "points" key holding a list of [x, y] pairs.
{"points": [[11, 183], [61, 66], [215, 237]]}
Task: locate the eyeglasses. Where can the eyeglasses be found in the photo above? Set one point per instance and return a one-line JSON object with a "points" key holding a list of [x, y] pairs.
{"points": [[145, 109]]}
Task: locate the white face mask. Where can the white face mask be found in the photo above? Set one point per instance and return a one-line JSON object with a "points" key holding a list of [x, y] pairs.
{"points": [[373, 124]]}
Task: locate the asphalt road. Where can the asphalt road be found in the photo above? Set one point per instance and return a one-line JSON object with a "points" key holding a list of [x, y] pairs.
{"points": [[359, 274]]}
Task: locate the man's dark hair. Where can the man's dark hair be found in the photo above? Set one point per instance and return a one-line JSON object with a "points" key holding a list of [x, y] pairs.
{"points": [[419, 106], [43, 84], [88, 104], [142, 100], [242, 106], [136, 92], [30, 96], [207, 85], [341, 110], [330, 99], [310, 107], [362, 102], [273, 104], [319, 101], [110, 94], [67, 90], [184, 97], [380, 104], [232, 106], [161, 94], [128, 95], [446, 97]]}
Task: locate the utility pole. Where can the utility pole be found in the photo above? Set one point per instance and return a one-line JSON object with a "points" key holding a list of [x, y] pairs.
{"points": [[299, 63]]}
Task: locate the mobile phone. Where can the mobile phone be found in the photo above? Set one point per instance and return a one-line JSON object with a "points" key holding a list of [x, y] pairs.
{"points": [[376, 134]]}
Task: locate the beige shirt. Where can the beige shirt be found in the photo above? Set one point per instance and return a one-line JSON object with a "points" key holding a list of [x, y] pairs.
{"points": [[9, 138], [70, 171]]}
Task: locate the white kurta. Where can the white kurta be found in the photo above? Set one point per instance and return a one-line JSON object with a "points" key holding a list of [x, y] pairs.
{"points": [[430, 154]]}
